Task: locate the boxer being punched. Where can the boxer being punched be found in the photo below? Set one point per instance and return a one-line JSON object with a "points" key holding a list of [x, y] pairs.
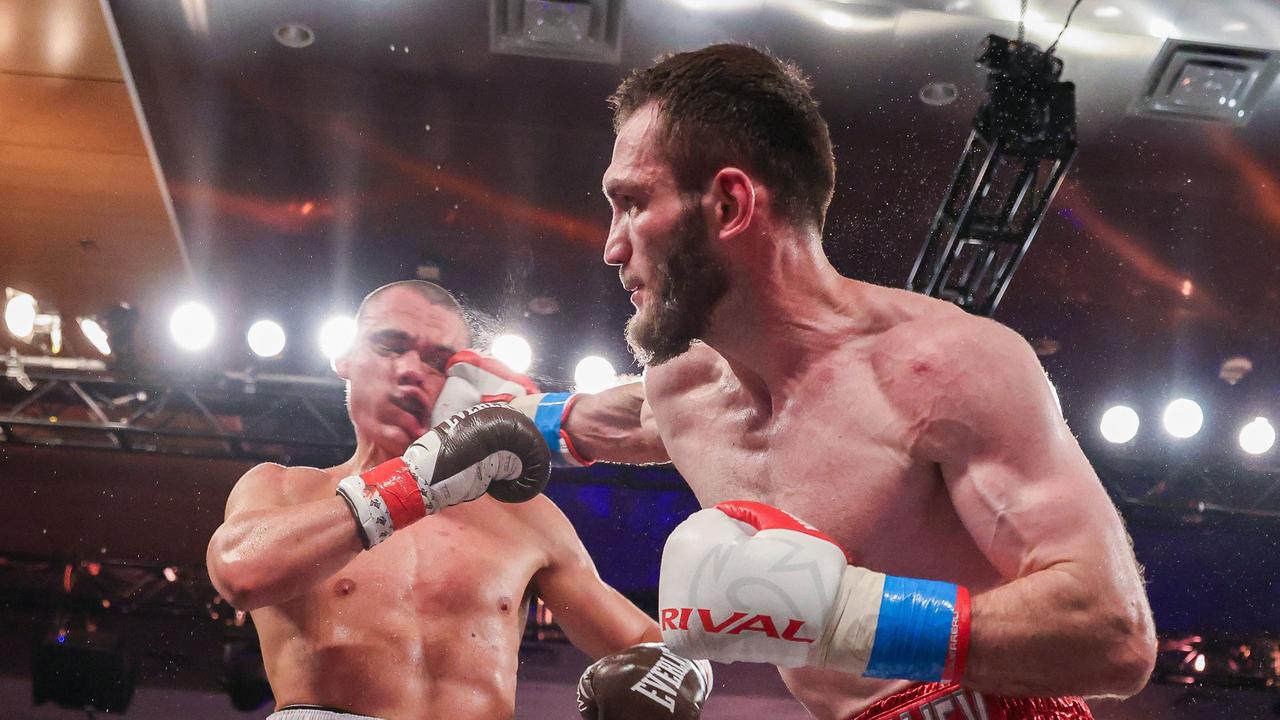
{"points": [[923, 441], [397, 588]]}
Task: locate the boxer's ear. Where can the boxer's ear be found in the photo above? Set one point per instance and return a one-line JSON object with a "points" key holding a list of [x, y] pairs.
{"points": [[734, 195], [342, 365]]}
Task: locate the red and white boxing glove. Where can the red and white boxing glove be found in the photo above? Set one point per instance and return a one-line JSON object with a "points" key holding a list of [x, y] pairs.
{"points": [[472, 379], [745, 581]]}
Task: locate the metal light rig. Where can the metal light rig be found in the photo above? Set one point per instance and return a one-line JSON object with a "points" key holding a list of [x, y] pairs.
{"points": [[1022, 142]]}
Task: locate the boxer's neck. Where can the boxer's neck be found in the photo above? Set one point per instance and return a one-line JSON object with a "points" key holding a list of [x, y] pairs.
{"points": [[369, 453], [787, 307]]}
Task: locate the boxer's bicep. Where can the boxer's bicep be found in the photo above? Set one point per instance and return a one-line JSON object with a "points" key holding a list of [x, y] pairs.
{"points": [[596, 618], [1015, 474], [1031, 502], [616, 425]]}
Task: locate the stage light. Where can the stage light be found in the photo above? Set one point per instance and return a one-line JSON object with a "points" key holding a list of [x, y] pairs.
{"points": [[266, 338], [1119, 424], [19, 314], [336, 335], [1258, 436], [1199, 663], [1022, 141], [95, 334], [594, 374], [192, 326], [111, 332], [513, 351], [1183, 418], [1162, 29], [25, 322]]}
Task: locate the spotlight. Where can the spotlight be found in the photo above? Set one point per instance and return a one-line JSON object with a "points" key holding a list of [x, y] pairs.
{"points": [[25, 322], [1119, 424], [336, 335], [95, 334], [1183, 418], [19, 314], [266, 338], [111, 334], [1258, 436], [594, 374], [192, 326], [513, 351]]}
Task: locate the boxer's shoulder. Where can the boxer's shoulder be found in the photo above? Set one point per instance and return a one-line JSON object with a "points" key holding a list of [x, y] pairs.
{"points": [[956, 374], [548, 524], [274, 485], [941, 342]]}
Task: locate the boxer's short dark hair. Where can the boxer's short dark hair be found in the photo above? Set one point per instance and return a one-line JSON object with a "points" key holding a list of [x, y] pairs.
{"points": [[734, 106], [433, 294]]}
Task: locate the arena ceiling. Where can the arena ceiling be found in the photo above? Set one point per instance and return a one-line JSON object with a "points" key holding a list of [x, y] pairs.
{"points": [[398, 143]]}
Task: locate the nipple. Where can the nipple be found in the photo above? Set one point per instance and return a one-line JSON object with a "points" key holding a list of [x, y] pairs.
{"points": [[344, 587]]}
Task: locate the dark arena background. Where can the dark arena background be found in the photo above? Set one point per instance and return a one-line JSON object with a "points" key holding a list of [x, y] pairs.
{"points": [[174, 171]]}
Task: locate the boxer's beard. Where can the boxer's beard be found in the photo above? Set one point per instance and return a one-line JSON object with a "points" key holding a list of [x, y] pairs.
{"points": [[691, 280]]}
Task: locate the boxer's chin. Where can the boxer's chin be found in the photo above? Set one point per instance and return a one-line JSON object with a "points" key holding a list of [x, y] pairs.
{"points": [[655, 336], [678, 303]]}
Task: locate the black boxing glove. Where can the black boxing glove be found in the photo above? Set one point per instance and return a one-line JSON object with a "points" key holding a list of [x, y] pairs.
{"points": [[643, 682], [487, 448]]}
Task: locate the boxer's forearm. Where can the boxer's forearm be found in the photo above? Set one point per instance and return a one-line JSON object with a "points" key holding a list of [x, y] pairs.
{"points": [[1056, 632], [265, 557], [611, 426]]}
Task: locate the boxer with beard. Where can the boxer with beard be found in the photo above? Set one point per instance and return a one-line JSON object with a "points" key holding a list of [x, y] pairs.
{"points": [[957, 555]]}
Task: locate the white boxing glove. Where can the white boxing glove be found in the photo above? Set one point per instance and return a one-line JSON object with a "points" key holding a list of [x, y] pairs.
{"points": [[745, 581], [472, 379]]}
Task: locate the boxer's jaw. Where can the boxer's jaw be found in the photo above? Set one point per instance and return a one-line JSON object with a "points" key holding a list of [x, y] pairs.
{"points": [[681, 295]]}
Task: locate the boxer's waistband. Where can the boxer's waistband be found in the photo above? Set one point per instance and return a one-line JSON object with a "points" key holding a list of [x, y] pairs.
{"points": [[948, 701], [314, 712]]}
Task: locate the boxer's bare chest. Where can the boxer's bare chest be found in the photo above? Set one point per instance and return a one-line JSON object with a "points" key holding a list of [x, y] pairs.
{"points": [[452, 573], [835, 453]]}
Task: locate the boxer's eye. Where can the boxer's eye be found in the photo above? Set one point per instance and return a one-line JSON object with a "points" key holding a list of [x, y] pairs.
{"points": [[436, 362]]}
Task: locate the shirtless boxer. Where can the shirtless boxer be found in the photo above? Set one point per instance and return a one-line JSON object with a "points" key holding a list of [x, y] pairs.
{"points": [[428, 623], [922, 440]]}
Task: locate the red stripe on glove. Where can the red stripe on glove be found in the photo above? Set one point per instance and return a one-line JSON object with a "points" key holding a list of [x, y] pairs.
{"points": [[399, 490], [767, 517], [493, 366], [954, 670]]}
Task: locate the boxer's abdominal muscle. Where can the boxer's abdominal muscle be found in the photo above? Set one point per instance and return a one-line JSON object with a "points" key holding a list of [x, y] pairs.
{"points": [[406, 630]]}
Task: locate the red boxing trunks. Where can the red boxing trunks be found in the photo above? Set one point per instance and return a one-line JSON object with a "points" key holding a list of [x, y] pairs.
{"points": [[948, 701]]}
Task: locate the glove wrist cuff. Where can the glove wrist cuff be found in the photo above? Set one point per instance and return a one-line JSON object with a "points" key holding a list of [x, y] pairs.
{"points": [[884, 626], [373, 522], [549, 416]]}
